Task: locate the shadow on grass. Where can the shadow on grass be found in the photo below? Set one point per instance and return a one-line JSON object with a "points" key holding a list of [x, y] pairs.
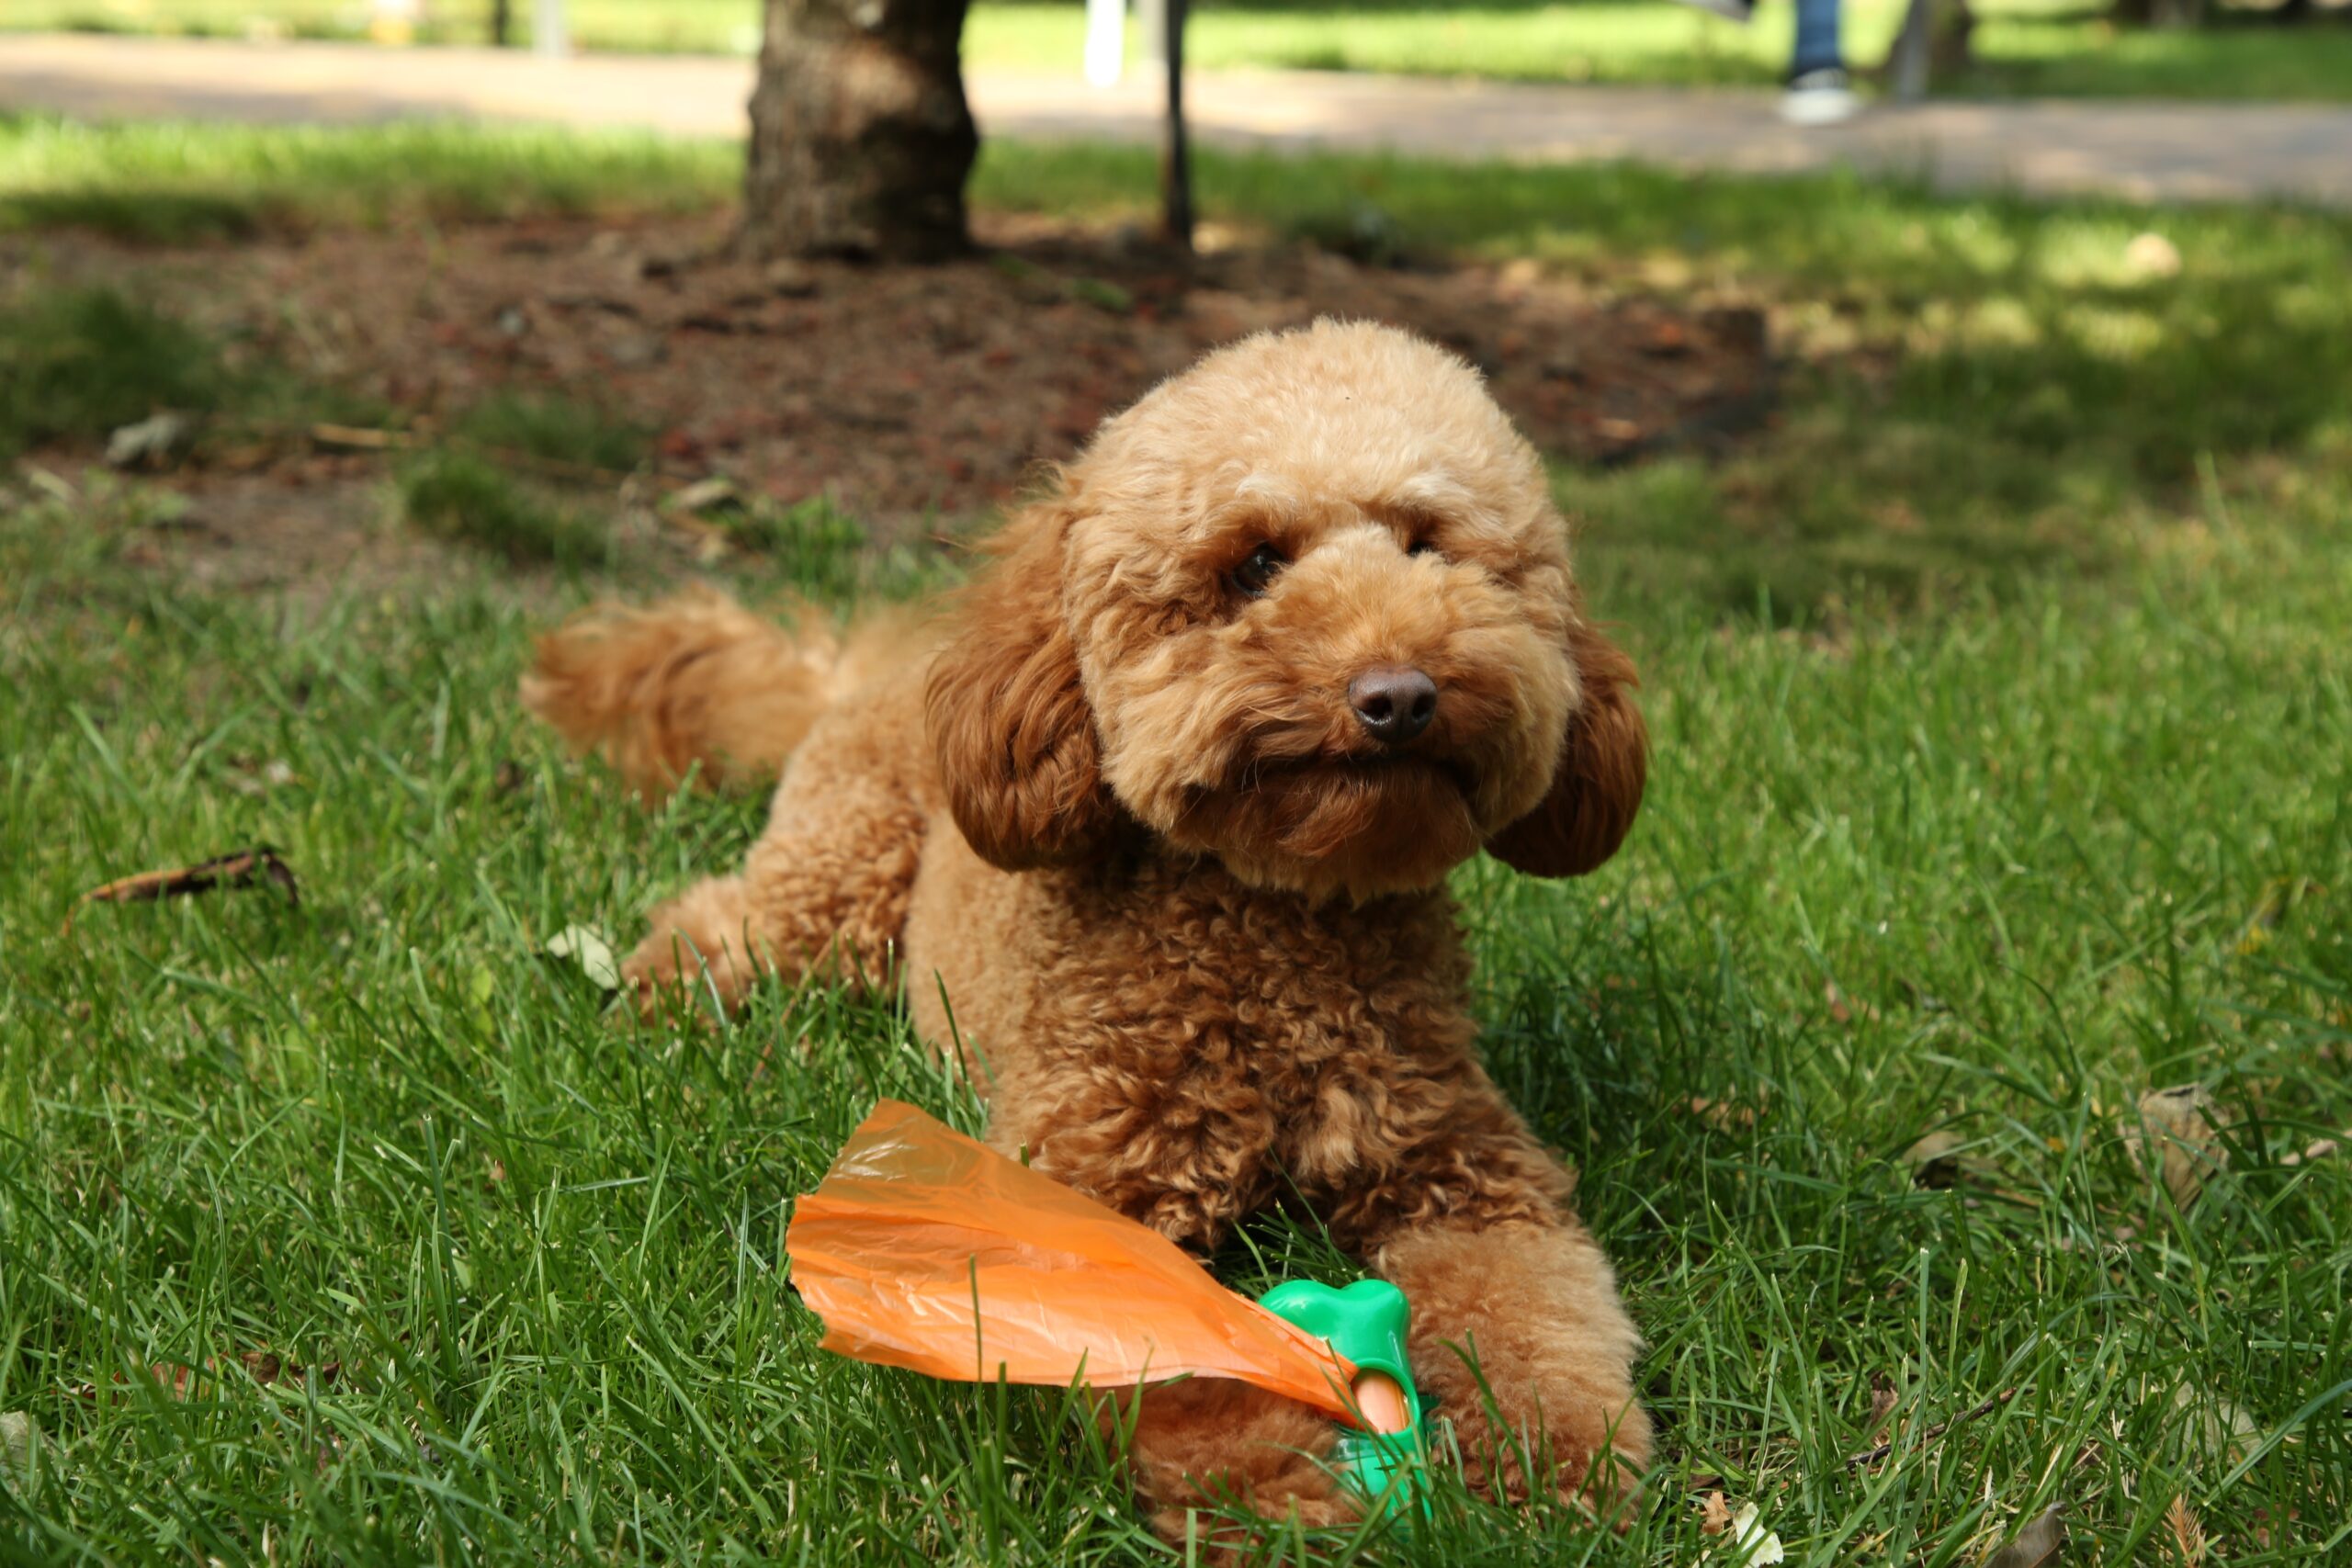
{"points": [[1979, 388], [81, 363]]}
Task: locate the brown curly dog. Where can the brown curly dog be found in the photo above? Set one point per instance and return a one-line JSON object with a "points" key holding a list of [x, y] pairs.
{"points": [[1164, 812]]}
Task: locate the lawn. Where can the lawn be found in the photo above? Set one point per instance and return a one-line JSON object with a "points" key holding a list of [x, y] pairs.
{"points": [[2061, 48], [2003, 726]]}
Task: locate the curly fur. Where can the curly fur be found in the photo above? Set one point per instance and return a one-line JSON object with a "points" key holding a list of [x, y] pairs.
{"points": [[1190, 915]]}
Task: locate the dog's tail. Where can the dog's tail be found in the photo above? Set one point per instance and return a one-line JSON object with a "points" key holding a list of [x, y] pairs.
{"points": [[699, 683]]}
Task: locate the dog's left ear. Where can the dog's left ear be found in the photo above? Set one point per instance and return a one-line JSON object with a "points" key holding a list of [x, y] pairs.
{"points": [[1604, 762], [1009, 728]]}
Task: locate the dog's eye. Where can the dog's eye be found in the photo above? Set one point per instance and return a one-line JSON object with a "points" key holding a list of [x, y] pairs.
{"points": [[1258, 569]]}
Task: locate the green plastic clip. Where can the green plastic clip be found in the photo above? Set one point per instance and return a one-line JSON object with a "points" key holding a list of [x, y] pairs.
{"points": [[1367, 1324]]}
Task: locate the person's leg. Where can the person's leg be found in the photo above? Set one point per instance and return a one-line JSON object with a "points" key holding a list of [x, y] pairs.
{"points": [[1818, 46], [1819, 91]]}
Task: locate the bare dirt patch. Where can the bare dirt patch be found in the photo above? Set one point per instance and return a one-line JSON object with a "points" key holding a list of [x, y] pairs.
{"points": [[915, 398]]}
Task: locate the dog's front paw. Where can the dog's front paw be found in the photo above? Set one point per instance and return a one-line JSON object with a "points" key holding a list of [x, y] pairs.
{"points": [[1573, 1432], [1204, 1444], [701, 940], [663, 977]]}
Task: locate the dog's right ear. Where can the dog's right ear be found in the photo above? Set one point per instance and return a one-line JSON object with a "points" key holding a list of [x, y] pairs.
{"points": [[1010, 728]]}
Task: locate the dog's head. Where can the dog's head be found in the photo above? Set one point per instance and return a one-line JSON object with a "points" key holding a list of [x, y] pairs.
{"points": [[1307, 609]]}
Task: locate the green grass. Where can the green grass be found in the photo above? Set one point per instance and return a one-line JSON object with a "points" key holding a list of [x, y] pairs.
{"points": [[2062, 47], [172, 183], [78, 363], [2055, 48], [1986, 384], [1982, 830], [378, 1131], [556, 431], [461, 496]]}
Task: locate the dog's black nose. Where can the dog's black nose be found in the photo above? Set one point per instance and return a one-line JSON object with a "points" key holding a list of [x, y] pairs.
{"points": [[1395, 703]]}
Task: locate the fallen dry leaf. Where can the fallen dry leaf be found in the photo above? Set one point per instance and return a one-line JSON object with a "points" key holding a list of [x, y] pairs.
{"points": [[1723, 1115], [2037, 1543], [1934, 1160], [179, 1381], [591, 952], [268, 1367], [1873, 1455], [703, 495], [20, 1439], [2318, 1148], [360, 438], [1753, 1546], [240, 868], [150, 444], [1843, 1011], [1715, 1513], [2264, 1519], [2182, 1126], [1938, 1160], [1883, 1400], [2224, 1429], [251, 775]]}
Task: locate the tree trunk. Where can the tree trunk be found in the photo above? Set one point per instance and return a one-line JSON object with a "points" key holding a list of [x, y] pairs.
{"points": [[2157, 13], [861, 139], [1176, 148], [1933, 46]]}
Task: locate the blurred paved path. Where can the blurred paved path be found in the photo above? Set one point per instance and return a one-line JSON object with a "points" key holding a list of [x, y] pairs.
{"points": [[2146, 150]]}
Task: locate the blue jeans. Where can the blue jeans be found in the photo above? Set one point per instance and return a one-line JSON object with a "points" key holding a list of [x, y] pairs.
{"points": [[1816, 48]]}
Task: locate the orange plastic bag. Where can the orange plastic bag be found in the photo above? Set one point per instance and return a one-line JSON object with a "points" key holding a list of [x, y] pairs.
{"points": [[924, 1249]]}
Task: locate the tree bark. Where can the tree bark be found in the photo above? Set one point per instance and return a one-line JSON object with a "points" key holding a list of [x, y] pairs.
{"points": [[861, 139], [2157, 13], [1176, 150]]}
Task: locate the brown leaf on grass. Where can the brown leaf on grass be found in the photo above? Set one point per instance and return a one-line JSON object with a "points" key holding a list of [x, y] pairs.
{"points": [[1843, 1011], [1873, 1455], [174, 1379], [180, 1381], [2188, 1532], [1934, 1160], [360, 438], [2179, 1137], [1715, 1513], [268, 1367], [238, 869], [1883, 1400], [2037, 1543], [2264, 1521], [1723, 1115], [1939, 1160], [2318, 1148]]}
